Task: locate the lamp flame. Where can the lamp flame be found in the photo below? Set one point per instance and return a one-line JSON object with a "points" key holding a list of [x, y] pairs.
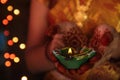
{"points": [[69, 51]]}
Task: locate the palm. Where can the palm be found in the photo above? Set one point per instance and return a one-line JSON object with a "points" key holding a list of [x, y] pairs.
{"points": [[60, 41]]}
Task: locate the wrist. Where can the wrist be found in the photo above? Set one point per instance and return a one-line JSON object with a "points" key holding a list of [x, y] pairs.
{"points": [[49, 3], [43, 2]]}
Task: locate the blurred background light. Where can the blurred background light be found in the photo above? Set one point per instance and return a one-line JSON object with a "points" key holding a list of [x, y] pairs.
{"points": [[6, 55], [24, 78], [118, 27], [22, 46], [10, 8], [15, 39], [16, 11], [3, 1], [12, 56], [5, 22], [7, 63], [10, 42], [9, 17], [6, 33], [16, 59]]}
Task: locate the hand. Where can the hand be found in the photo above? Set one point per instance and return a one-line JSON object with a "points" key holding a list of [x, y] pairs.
{"points": [[75, 74], [55, 43]]}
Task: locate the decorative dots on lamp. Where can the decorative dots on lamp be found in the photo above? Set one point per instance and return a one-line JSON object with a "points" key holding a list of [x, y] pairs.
{"points": [[15, 39], [10, 8], [24, 78], [5, 22], [16, 11], [6, 33], [7, 63], [16, 59], [12, 56], [22, 46], [3, 1], [6, 55], [10, 42], [9, 17]]}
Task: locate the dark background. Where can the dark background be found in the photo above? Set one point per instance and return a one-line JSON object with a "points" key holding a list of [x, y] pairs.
{"points": [[17, 27]]}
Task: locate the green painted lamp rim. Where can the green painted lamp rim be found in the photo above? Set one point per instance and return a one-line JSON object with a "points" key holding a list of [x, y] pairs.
{"points": [[72, 63]]}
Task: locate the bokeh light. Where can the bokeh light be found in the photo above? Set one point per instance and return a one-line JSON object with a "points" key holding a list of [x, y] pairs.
{"points": [[16, 59], [5, 22], [10, 8], [10, 42], [16, 11], [118, 27], [6, 55], [6, 33], [3, 1], [9, 17], [22, 46], [12, 56], [7, 63], [24, 78], [15, 39]]}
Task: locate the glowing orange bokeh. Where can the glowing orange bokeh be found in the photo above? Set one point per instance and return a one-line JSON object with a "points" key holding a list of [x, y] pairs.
{"points": [[7, 63], [10, 8], [9, 17], [10, 42], [3, 1], [6, 55], [6, 33], [5, 22], [12, 56]]}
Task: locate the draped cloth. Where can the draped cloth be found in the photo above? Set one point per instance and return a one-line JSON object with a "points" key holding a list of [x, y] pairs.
{"points": [[100, 11]]}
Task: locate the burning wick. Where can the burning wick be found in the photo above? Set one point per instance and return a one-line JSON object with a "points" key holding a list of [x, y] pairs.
{"points": [[69, 51]]}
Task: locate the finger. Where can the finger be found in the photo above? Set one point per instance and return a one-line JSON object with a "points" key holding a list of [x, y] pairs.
{"points": [[72, 71], [59, 67], [51, 57], [95, 59], [84, 68], [73, 74]]}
